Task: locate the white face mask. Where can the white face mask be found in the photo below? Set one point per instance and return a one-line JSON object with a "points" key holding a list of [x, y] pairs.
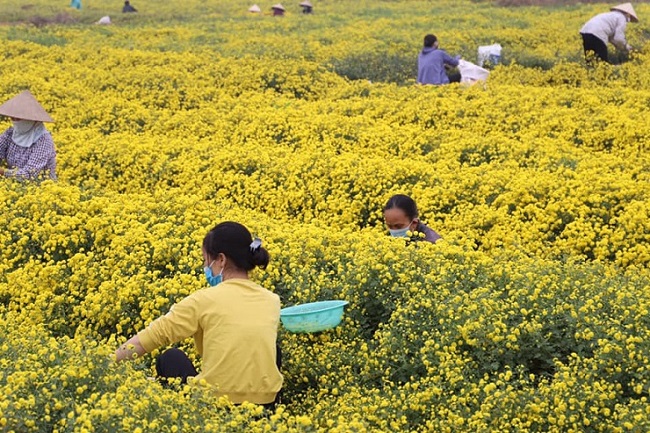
{"points": [[26, 132], [23, 126]]}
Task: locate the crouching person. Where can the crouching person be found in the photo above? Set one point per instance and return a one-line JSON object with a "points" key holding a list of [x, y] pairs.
{"points": [[234, 323]]}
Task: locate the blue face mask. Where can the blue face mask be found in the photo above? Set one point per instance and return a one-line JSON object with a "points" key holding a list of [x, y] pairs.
{"points": [[400, 233], [213, 280]]}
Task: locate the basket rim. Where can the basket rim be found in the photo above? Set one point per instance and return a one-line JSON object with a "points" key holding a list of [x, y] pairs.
{"points": [[335, 304]]}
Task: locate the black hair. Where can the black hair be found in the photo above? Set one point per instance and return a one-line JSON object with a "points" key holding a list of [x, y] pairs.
{"points": [[405, 203], [429, 40], [234, 241]]}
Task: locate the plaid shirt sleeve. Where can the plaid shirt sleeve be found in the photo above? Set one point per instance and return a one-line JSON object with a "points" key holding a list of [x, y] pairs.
{"points": [[42, 154], [5, 139]]}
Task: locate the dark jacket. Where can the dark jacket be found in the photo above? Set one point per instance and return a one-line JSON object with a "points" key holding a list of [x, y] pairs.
{"points": [[429, 234]]}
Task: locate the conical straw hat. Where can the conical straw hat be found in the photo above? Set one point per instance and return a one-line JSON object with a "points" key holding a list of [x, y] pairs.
{"points": [[278, 6], [628, 9], [254, 8], [24, 106], [305, 3]]}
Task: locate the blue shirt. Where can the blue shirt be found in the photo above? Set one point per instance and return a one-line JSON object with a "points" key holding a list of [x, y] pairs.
{"points": [[431, 66]]}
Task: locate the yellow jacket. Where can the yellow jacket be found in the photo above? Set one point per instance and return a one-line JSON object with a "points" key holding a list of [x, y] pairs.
{"points": [[234, 325]]}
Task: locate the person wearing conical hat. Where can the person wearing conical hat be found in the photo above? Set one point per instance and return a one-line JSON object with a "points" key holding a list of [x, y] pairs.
{"points": [[26, 147], [607, 27], [278, 10], [255, 9], [307, 7]]}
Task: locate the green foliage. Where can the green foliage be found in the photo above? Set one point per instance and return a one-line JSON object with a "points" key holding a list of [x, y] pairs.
{"points": [[45, 38], [377, 66]]}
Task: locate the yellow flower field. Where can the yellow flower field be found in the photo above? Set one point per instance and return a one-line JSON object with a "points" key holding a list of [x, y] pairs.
{"points": [[530, 315]]}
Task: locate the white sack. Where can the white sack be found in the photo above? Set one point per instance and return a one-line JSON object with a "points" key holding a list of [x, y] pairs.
{"points": [[489, 53], [469, 72]]}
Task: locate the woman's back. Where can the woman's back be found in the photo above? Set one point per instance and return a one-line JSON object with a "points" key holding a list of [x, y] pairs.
{"points": [[239, 321]]}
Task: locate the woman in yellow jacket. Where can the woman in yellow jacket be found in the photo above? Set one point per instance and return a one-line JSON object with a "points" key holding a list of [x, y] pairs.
{"points": [[234, 323]]}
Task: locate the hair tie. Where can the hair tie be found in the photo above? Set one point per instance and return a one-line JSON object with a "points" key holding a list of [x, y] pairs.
{"points": [[255, 245]]}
